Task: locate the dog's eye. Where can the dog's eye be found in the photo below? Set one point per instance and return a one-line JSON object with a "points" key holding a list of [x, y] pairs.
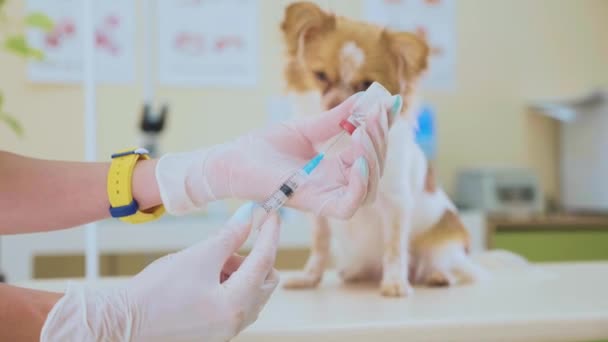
{"points": [[321, 76]]}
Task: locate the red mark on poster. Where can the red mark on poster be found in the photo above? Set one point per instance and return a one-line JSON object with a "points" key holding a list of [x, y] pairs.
{"points": [[432, 2], [64, 29], [227, 42], [104, 35], [190, 43], [112, 21]]}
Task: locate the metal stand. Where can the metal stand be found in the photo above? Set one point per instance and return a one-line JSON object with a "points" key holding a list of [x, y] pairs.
{"points": [[90, 130], [151, 126]]}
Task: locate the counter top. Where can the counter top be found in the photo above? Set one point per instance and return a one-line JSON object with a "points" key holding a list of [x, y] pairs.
{"points": [[552, 221], [550, 302]]}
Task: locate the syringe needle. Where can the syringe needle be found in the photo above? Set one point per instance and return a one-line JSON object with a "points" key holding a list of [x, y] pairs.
{"points": [[332, 144]]}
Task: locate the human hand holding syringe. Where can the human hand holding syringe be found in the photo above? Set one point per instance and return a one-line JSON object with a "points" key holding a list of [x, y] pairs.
{"points": [[332, 185], [366, 104]]}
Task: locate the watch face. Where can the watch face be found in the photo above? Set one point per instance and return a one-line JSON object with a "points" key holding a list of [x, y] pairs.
{"points": [[141, 150]]}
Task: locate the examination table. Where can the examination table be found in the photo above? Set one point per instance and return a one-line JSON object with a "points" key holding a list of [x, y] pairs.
{"points": [[537, 303]]}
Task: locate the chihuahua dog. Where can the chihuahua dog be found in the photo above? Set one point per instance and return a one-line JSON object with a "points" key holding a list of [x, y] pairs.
{"points": [[411, 233]]}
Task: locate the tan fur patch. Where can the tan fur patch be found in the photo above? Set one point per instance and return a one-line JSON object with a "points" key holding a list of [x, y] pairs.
{"points": [[430, 185], [448, 229], [438, 279]]}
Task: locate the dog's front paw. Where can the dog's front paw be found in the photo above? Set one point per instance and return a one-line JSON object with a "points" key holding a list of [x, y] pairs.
{"points": [[396, 288], [304, 280], [440, 279]]}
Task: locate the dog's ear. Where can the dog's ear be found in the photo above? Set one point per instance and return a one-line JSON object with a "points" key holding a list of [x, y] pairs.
{"points": [[302, 22], [411, 52]]}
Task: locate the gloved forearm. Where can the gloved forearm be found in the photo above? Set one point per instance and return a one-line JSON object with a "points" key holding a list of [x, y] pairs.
{"points": [[189, 180], [253, 166], [85, 314], [203, 293]]}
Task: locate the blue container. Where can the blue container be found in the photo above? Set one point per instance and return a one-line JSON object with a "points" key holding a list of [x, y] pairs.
{"points": [[425, 135]]}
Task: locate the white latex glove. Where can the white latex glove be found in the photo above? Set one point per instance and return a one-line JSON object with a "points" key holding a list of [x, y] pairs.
{"points": [[203, 293], [254, 166]]}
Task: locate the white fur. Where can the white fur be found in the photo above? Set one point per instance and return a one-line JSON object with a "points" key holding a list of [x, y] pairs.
{"points": [[359, 241], [352, 58]]}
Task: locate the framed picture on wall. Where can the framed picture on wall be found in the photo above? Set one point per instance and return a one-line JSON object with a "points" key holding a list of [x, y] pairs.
{"points": [[114, 29], [208, 43]]}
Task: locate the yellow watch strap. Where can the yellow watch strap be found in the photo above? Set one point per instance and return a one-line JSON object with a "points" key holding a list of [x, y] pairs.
{"points": [[120, 194]]}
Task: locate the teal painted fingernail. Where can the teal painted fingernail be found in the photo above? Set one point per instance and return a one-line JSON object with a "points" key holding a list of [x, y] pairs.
{"points": [[243, 214], [362, 167], [397, 105]]}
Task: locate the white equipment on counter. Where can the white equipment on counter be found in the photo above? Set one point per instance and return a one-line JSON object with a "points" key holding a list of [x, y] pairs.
{"points": [[499, 190]]}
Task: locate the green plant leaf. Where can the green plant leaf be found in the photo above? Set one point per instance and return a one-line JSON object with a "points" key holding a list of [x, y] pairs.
{"points": [[2, 14], [18, 45], [12, 123], [39, 20], [36, 54], [9, 120]]}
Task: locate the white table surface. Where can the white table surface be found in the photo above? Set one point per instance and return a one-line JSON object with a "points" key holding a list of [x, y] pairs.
{"points": [[551, 302]]}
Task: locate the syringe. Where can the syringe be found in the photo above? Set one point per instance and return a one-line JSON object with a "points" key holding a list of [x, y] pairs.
{"points": [[289, 187], [364, 105], [277, 199]]}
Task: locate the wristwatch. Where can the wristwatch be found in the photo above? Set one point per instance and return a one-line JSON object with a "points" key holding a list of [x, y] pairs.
{"points": [[120, 179]]}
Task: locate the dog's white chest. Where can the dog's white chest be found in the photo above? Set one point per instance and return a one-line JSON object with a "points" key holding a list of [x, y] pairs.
{"points": [[359, 243]]}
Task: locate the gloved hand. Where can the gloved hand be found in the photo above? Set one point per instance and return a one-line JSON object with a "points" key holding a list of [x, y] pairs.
{"points": [[254, 166], [203, 293]]}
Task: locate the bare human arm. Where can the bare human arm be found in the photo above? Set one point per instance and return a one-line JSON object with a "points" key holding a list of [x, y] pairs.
{"points": [[42, 195], [23, 312]]}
